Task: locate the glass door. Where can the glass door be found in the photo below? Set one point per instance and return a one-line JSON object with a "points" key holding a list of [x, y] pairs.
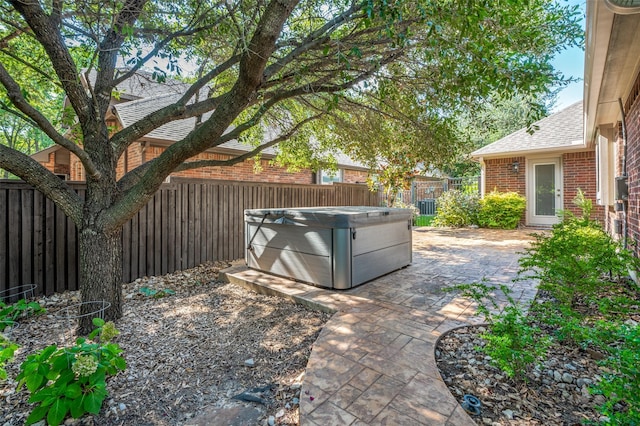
{"points": [[544, 192]]}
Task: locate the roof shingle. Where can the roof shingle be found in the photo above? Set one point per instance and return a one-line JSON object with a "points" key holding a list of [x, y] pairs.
{"points": [[563, 129]]}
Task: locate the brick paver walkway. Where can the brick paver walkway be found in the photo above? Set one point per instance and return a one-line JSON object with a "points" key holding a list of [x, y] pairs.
{"points": [[374, 361]]}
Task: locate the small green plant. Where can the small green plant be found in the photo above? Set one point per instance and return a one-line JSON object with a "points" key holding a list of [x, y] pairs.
{"points": [[457, 209], [15, 311], [7, 349], [501, 210], [71, 381], [512, 341], [156, 294], [621, 386]]}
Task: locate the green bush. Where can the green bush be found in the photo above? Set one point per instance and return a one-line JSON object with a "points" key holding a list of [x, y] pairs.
{"points": [[455, 208], [71, 381], [15, 311], [7, 349], [572, 261], [501, 210]]}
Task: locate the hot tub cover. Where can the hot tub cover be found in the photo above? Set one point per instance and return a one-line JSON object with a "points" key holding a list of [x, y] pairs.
{"points": [[329, 217]]}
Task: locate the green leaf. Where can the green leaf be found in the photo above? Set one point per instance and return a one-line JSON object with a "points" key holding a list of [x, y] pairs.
{"points": [[98, 322], [62, 362], [73, 391], [33, 382], [36, 415], [41, 395], [76, 407], [47, 352], [93, 401], [57, 412], [29, 368], [120, 363]]}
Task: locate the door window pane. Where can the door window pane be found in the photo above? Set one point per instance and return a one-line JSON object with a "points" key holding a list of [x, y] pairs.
{"points": [[545, 189]]}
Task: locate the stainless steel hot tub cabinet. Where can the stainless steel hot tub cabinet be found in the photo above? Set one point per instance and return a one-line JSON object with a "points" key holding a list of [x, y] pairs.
{"points": [[335, 247]]}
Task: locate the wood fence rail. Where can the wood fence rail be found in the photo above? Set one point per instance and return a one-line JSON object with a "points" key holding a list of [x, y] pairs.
{"points": [[186, 223]]}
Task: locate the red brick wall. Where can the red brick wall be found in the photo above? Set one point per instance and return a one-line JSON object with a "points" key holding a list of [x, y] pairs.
{"points": [[499, 175], [579, 170], [355, 176], [138, 153], [53, 166], [633, 170], [239, 172]]}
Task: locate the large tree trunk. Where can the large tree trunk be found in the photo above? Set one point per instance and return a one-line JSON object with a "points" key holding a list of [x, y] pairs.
{"points": [[100, 273]]}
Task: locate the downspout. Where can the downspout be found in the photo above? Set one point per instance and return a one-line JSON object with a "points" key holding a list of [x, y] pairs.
{"points": [[625, 203]]}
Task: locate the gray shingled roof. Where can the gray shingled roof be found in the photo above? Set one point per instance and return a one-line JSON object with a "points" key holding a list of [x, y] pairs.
{"points": [[130, 112], [564, 129], [142, 85]]}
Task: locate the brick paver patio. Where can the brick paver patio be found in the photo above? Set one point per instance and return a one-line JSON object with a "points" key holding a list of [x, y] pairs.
{"points": [[374, 361]]}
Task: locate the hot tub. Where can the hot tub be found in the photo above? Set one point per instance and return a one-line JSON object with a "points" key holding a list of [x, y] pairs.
{"points": [[334, 247]]}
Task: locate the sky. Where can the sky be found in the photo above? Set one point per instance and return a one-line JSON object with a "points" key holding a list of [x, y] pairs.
{"points": [[571, 63]]}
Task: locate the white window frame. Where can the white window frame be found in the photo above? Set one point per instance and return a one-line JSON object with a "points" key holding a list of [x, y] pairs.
{"points": [[337, 177], [605, 166]]}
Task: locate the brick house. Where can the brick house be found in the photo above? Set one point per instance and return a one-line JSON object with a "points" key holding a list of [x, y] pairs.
{"points": [[546, 167], [612, 112], [141, 95]]}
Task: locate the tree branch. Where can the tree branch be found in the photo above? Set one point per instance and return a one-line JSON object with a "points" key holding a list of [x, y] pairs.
{"points": [[249, 154], [251, 67], [43, 180], [49, 36], [15, 96], [314, 39]]}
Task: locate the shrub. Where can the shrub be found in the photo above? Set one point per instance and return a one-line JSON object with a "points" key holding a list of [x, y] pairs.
{"points": [[572, 261], [7, 349], [65, 381], [501, 210], [15, 311], [455, 208], [512, 341]]}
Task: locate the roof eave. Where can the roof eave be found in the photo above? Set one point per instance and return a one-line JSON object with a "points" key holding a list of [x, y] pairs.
{"points": [[612, 60], [538, 151]]}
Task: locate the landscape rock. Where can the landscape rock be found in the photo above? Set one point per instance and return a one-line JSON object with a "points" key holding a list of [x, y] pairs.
{"points": [[549, 397]]}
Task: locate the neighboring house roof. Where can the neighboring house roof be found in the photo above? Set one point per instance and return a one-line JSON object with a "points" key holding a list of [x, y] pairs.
{"points": [[141, 85], [562, 131], [130, 112]]}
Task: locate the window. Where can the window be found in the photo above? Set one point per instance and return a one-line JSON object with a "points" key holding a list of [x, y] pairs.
{"points": [[605, 171], [326, 177]]}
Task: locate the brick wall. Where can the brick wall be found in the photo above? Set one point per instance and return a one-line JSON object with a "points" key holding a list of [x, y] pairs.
{"points": [[633, 170], [239, 172], [355, 176], [138, 153], [499, 175], [55, 167], [579, 169]]}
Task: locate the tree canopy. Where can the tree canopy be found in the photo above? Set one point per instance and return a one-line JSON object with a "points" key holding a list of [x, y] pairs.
{"points": [[302, 67]]}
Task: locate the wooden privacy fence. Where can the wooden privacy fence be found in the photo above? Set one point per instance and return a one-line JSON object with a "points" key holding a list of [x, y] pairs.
{"points": [[186, 223]]}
